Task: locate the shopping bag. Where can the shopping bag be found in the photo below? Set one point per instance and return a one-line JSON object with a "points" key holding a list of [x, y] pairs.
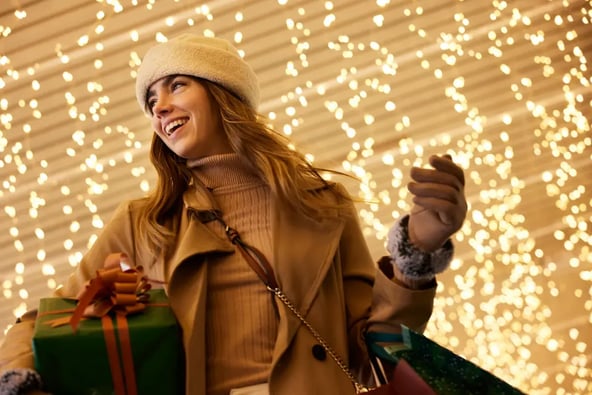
{"points": [[403, 381], [444, 371]]}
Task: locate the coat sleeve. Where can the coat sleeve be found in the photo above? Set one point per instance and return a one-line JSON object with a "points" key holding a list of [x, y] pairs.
{"points": [[373, 301], [16, 350], [117, 236]]}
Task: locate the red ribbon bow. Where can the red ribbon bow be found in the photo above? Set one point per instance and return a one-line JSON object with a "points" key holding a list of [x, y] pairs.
{"points": [[123, 289], [118, 287]]}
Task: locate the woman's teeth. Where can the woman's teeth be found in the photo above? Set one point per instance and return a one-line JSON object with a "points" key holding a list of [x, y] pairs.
{"points": [[171, 127]]}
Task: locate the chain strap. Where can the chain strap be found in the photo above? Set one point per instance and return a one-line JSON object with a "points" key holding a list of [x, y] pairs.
{"points": [[342, 365]]}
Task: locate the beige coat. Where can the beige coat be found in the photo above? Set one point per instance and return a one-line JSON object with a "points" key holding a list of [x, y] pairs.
{"points": [[325, 268]]}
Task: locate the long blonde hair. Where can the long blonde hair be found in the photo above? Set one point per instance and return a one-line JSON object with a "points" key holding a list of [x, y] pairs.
{"points": [[291, 178]]}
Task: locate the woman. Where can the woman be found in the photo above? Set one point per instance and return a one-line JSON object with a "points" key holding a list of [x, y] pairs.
{"points": [[213, 154]]}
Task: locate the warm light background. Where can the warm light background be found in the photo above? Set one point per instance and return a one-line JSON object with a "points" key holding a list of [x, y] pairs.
{"points": [[370, 87]]}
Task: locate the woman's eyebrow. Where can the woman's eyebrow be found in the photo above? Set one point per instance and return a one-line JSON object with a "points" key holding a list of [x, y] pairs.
{"points": [[166, 81]]}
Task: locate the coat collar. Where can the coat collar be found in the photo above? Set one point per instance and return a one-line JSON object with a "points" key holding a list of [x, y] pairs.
{"points": [[193, 237], [303, 248]]}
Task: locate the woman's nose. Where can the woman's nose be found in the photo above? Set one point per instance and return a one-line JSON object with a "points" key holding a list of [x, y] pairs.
{"points": [[161, 106]]}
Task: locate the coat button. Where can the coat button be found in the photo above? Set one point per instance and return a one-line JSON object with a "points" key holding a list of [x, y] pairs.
{"points": [[319, 352]]}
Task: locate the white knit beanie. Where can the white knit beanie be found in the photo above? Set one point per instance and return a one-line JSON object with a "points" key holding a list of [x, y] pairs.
{"points": [[213, 59]]}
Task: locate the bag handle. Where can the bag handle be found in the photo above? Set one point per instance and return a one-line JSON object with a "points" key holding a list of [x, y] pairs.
{"points": [[264, 271], [373, 338]]}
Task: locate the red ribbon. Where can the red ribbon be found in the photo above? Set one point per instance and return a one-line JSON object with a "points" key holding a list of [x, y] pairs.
{"points": [[119, 288]]}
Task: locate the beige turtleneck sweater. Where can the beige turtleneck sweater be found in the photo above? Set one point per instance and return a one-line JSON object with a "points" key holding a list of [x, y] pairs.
{"points": [[241, 325]]}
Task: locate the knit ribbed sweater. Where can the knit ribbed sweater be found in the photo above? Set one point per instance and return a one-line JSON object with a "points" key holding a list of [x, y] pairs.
{"points": [[241, 325]]}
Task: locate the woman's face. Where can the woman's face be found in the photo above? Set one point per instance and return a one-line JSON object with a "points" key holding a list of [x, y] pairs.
{"points": [[184, 118]]}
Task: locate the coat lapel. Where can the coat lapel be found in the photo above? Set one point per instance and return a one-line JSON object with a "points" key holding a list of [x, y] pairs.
{"points": [[187, 295], [184, 269], [187, 288], [194, 237], [303, 253]]}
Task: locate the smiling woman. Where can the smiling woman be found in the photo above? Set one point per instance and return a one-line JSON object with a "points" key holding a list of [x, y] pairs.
{"points": [[226, 182]]}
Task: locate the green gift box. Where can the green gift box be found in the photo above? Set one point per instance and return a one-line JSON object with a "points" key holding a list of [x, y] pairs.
{"points": [[80, 363]]}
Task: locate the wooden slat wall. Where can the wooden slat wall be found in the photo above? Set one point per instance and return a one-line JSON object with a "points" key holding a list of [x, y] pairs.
{"points": [[517, 299]]}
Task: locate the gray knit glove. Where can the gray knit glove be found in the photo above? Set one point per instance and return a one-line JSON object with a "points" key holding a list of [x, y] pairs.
{"points": [[21, 382], [411, 261]]}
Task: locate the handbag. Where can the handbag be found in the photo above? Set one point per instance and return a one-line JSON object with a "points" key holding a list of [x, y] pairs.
{"points": [[404, 380]]}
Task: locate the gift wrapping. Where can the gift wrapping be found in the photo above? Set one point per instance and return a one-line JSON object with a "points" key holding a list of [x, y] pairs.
{"points": [[77, 362], [444, 371]]}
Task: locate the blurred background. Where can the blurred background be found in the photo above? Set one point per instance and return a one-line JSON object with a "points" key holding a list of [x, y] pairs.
{"points": [[366, 87]]}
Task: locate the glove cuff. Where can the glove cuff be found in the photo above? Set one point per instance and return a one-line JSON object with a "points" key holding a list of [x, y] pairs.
{"points": [[412, 262], [19, 381]]}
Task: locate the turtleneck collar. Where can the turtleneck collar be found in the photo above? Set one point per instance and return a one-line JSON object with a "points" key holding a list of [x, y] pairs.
{"points": [[222, 170]]}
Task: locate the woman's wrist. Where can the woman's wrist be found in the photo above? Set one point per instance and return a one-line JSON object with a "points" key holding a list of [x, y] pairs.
{"points": [[427, 246], [415, 267], [415, 284]]}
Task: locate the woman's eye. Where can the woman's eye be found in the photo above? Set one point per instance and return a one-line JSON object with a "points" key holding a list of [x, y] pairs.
{"points": [[151, 105], [176, 84]]}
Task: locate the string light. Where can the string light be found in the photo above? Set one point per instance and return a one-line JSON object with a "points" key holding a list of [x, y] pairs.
{"points": [[500, 303]]}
